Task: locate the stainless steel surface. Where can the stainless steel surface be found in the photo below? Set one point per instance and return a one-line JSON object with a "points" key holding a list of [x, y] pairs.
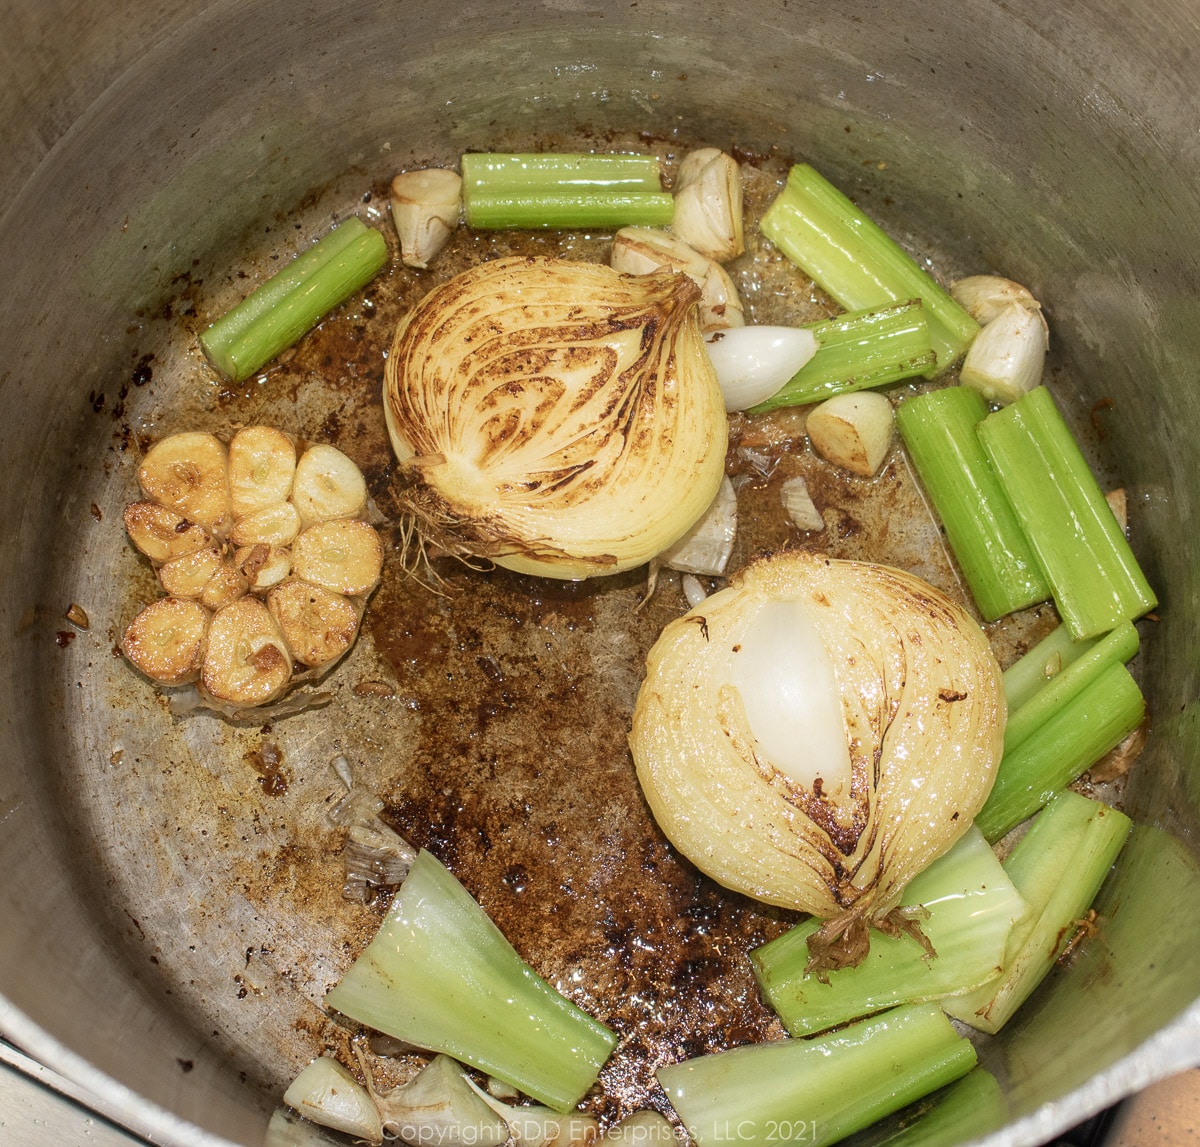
{"points": [[146, 147]]}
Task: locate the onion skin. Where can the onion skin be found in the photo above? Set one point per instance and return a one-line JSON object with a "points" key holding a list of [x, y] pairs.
{"points": [[555, 417], [923, 703]]}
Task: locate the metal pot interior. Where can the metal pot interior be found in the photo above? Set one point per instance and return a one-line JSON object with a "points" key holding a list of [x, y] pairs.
{"points": [[170, 922]]}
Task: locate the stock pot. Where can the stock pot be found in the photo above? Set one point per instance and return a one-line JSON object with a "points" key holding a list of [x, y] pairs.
{"points": [[162, 943]]}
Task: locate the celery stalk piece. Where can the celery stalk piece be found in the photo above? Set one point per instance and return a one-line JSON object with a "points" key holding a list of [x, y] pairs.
{"points": [[295, 299], [1076, 736], [939, 432], [1096, 580], [966, 1110], [1058, 866], [574, 210], [1115, 648], [858, 351], [440, 975], [852, 259], [972, 907], [817, 1091], [1045, 661], [567, 190]]}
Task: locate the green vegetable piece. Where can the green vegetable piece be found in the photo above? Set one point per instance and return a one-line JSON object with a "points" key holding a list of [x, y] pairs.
{"points": [[996, 559], [1029, 674], [440, 975], [1058, 866], [859, 350], [817, 1091], [1096, 580], [290, 303], [966, 1110], [971, 906], [1078, 734], [499, 171], [854, 260]]}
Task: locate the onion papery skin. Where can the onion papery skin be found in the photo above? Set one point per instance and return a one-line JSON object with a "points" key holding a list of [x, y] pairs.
{"points": [[555, 417], [924, 711]]}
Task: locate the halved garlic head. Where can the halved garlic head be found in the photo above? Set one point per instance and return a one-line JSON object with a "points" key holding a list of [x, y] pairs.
{"points": [[817, 733], [555, 417]]}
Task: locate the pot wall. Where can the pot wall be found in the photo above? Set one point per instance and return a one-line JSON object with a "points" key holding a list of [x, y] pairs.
{"points": [[1055, 145]]}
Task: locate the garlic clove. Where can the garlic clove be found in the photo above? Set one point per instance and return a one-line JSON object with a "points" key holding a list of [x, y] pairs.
{"points": [[752, 363], [1008, 355], [645, 1128], [440, 1105], [693, 591], [706, 547], [800, 507], [853, 431], [708, 204], [426, 205], [328, 1094], [983, 297]]}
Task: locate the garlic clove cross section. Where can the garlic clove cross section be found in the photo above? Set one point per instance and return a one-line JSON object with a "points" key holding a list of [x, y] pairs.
{"points": [[817, 733]]}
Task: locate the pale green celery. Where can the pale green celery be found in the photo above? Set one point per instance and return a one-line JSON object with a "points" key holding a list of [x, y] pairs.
{"points": [[440, 975], [966, 1110], [1058, 866], [1114, 648], [939, 433], [290, 303], [817, 1091], [573, 210], [972, 906], [500, 171], [1045, 661], [852, 259], [1096, 580], [857, 351], [1096, 720]]}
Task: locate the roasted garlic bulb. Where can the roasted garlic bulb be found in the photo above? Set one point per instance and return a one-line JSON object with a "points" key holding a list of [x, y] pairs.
{"points": [[815, 734], [555, 417], [264, 557]]}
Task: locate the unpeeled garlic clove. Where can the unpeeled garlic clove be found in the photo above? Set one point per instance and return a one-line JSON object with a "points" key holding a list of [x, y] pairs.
{"points": [[983, 297], [1008, 355], [328, 1094], [425, 205], [708, 204], [853, 431], [706, 547]]}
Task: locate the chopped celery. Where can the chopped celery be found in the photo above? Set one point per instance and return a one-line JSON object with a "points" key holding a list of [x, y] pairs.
{"points": [[817, 1091], [1058, 866], [965, 1110], [853, 260], [1115, 648], [564, 190], [1045, 661], [1096, 580], [857, 351], [972, 906], [440, 975], [939, 432], [295, 299], [1050, 758]]}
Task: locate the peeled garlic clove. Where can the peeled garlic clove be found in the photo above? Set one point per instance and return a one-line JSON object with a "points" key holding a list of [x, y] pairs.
{"points": [[708, 204], [753, 363], [1008, 355], [640, 250], [425, 205], [983, 297], [853, 431], [706, 547], [827, 819], [328, 1094], [555, 417]]}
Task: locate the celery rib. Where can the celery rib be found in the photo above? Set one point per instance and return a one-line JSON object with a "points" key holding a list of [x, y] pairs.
{"points": [[859, 350], [996, 559], [817, 1091], [441, 976], [1096, 581], [855, 261], [967, 1110], [1030, 673], [1058, 867], [290, 303], [1050, 758], [971, 907], [503, 171]]}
